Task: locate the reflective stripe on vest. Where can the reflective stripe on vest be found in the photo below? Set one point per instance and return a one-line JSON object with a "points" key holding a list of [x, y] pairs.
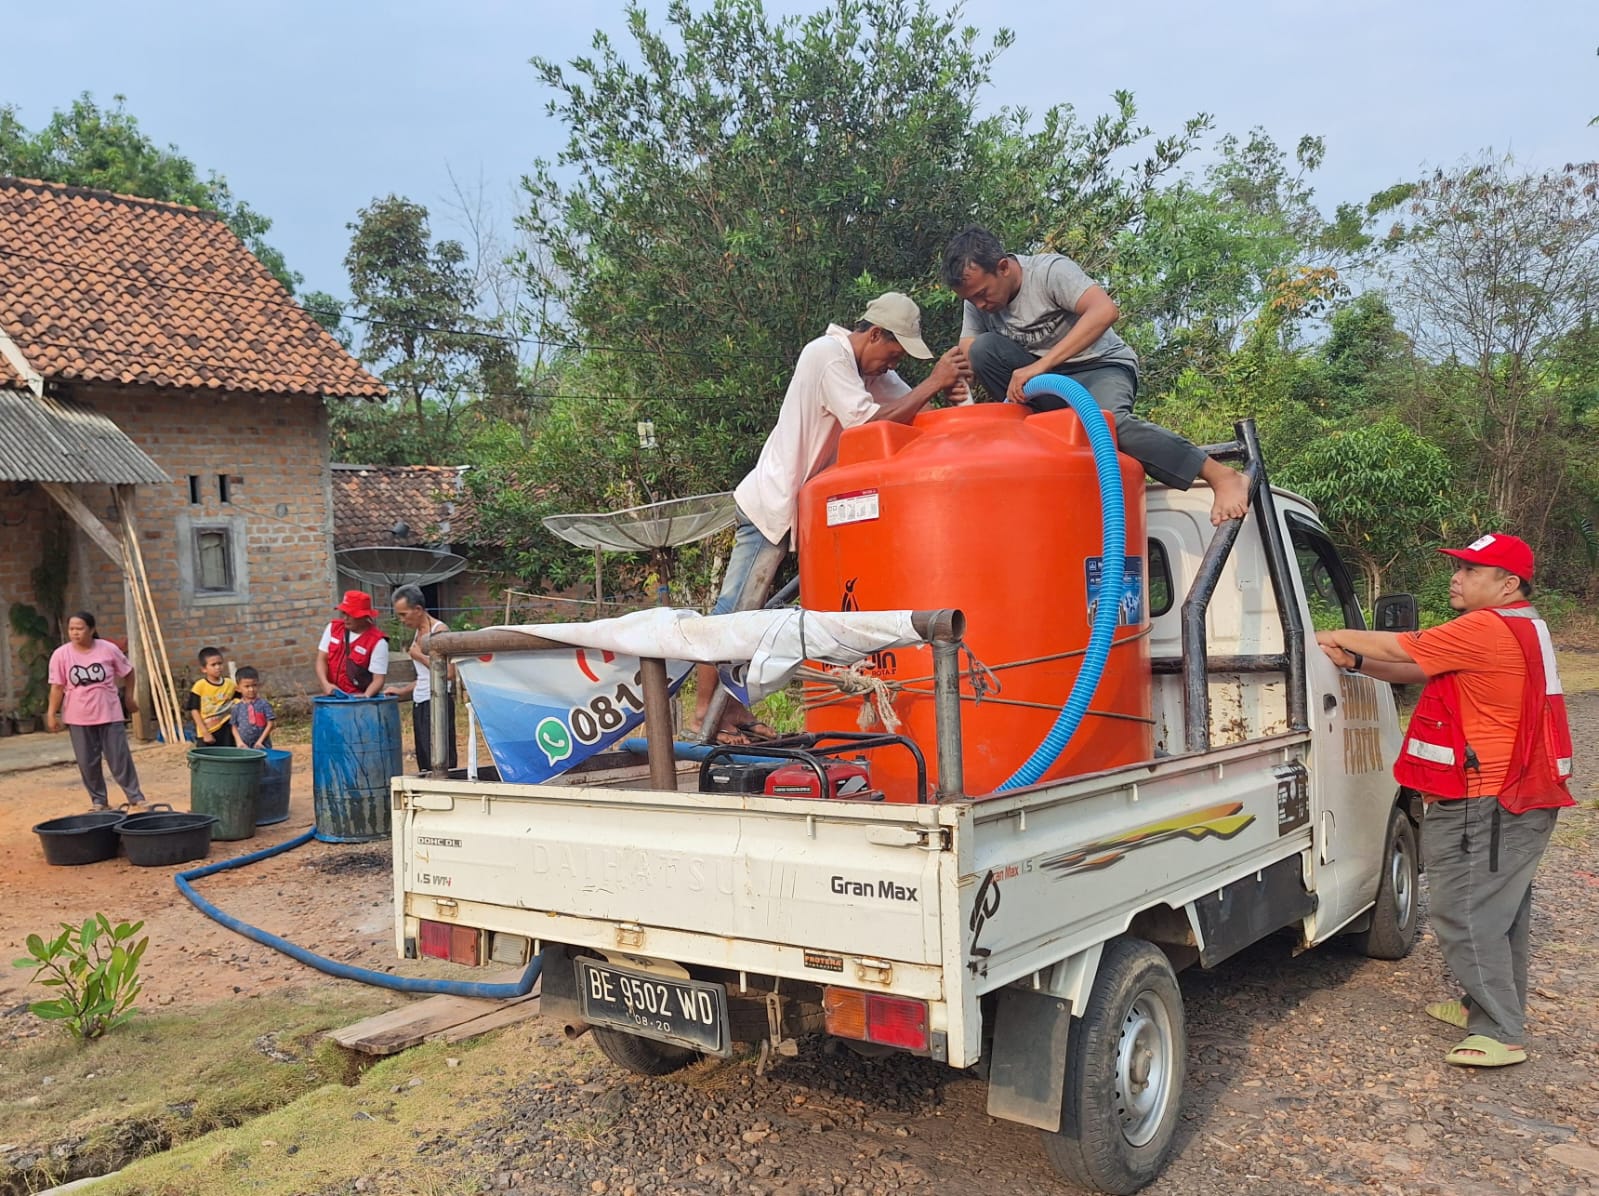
{"points": [[1437, 753]]}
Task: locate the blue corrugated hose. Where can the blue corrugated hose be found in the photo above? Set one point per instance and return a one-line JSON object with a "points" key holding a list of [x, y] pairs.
{"points": [[404, 984], [1113, 554]]}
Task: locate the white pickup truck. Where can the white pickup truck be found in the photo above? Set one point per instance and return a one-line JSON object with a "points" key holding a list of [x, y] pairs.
{"points": [[1032, 936]]}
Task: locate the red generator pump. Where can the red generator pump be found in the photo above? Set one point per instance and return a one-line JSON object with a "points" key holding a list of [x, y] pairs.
{"points": [[996, 512], [847, 779]]}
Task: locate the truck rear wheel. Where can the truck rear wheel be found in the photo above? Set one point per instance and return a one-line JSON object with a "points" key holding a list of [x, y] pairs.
{"points": [[642, 1056], [1124, 1074], [1394, 919]]}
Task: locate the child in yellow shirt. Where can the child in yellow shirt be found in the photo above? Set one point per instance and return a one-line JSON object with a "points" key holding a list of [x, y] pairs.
{"points": [[211, 700]]}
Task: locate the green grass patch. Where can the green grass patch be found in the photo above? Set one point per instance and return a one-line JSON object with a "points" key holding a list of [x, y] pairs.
{"points": [[1579, 670], [70, 1108], [384, 1128]]}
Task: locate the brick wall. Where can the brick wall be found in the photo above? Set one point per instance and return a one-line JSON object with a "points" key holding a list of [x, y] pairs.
{"points": [[279, 594]]}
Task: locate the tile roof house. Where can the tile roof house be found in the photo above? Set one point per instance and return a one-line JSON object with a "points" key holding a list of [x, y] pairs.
{"points": [[370, 502], [386, 507], [154, 373]]}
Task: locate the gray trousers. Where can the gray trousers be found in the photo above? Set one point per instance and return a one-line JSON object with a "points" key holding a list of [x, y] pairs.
{"points": [[110, 742], [1479, 881], [1165, 456]]}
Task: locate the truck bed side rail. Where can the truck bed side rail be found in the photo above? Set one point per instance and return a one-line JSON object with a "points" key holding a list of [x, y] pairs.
{"points": [[1195, 664]]}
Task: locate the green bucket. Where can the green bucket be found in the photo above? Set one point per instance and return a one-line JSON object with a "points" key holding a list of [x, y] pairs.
{"points": [[226, 782]]}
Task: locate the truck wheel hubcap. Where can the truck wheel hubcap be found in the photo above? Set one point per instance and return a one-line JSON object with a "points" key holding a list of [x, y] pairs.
{"points": [[1143, 1069], [1399, 877]]}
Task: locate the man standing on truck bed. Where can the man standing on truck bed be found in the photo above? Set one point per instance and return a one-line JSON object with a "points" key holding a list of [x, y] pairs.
{"points": [[1489, 749], [1027, 316], [843, 378]]}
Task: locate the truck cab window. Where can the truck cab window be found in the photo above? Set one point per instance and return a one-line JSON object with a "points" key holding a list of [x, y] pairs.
{"points": [[1160, 587], [1329, 590]]}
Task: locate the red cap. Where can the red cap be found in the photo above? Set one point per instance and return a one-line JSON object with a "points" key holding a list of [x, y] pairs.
{"points": [[357, 605], [1510, 553]]}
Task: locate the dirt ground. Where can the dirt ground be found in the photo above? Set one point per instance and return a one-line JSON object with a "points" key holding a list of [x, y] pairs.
{"points": [[1317, 1073], [335, 899]]}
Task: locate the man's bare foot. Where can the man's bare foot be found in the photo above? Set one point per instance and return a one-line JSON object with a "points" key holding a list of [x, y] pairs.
{"points": [[1230, 490]]}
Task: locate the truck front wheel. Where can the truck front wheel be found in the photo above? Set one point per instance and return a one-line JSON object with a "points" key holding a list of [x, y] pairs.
{"points": [[1124, 1074], [642, 1056], [1394, 919]]}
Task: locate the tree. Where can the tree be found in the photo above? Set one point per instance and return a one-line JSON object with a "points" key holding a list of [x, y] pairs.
{"points": [[1385, 493], [1242, 252], [1495, 266], [104, 148], [415, 301], [734, 182]]}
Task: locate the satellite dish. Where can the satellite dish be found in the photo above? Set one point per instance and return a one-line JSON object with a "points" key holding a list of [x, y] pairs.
{"points": [[393, 565], [658, 525], [639, 529]]}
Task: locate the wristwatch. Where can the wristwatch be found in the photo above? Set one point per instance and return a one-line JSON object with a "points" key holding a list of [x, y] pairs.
{"points": [[1359, 661]]}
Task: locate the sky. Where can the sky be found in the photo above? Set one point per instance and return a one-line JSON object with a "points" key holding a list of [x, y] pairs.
{"points": [[313, 108]]}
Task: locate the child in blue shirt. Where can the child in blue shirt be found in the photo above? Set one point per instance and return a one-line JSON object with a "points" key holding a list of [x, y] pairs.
{"points": [[253, 716]]}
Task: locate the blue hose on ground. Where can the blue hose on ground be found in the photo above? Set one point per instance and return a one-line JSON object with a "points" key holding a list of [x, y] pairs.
{"points": [[344, 971], [1113, 554]]}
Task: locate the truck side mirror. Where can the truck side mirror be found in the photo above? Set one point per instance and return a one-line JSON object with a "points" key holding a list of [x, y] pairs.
{"points": [[1395, 612]]}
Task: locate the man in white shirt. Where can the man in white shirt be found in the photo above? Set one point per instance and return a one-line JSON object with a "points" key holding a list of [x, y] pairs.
{"points": [[410, 607], [844, 378]]}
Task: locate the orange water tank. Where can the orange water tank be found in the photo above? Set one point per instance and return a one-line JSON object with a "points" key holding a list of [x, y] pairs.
{"points": [[996, 512]]}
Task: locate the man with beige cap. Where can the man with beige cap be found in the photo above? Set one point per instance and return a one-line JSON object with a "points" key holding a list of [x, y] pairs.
{"points": [[843, 378]]}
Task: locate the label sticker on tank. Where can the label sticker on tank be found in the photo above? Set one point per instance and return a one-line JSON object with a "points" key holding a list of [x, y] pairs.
{"points": [[857, 506], [1131, 612]]}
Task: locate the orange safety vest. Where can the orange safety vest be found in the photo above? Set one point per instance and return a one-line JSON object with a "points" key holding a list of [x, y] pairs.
{"points": [[1435, 755]]}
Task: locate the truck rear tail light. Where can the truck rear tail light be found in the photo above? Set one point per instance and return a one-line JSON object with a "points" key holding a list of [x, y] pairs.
{"points": [[511, 949], [458, 944], [867, 1017]]}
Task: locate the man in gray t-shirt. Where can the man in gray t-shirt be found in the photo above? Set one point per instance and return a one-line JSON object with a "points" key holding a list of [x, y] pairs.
{"points": [[1040, 314]]}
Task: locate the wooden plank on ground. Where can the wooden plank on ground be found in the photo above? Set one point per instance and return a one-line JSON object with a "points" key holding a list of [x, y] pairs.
{"points": [[508, 1013], [392, 1032]]}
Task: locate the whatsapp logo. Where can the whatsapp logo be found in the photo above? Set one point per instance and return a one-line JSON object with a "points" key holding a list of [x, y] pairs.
{"points": [[554, 740]]}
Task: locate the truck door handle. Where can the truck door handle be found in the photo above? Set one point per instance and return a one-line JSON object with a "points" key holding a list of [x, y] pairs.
{"points": [[1328, 703]]}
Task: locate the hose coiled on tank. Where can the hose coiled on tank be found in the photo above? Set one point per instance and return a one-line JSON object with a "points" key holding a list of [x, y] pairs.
{"points": [[1113, 555]]}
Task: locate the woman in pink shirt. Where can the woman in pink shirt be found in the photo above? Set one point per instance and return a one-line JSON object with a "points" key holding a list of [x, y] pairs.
{"points": [[84, 675]]}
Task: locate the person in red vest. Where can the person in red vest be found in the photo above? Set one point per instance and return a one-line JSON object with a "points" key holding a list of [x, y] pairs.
{"points": [[353, 656], [1489, 749]]}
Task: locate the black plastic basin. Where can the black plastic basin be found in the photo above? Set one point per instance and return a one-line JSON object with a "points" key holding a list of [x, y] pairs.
{"points": [[80, 838], [161, 840]]}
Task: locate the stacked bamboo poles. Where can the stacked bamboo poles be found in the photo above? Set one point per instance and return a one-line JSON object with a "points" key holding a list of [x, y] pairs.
{"points": [[163, 690]]}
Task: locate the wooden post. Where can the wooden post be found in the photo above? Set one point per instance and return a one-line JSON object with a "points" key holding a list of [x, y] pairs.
{"points": [[85, 518], [137, 656]]}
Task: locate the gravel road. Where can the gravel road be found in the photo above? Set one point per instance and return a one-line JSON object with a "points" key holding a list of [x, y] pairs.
{"points": [[1309, 1074]]}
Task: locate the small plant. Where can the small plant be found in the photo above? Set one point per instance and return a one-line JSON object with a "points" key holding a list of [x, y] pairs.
{"points": [[35, 656], [96, 967]]}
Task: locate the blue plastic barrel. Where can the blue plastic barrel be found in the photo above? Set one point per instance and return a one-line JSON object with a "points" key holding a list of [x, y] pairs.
{"points": [[275, 779], [355, 749]]}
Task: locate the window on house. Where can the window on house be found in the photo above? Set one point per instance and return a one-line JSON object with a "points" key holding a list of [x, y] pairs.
{"points": [[224, 487], [213, 560], [194, 489]]}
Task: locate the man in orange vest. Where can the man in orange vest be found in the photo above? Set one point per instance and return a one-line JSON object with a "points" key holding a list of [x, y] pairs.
{"points": [[1489, 749]]}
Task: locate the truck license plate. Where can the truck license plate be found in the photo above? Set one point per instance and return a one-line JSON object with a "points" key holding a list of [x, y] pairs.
{"points": [[689, 1013]]}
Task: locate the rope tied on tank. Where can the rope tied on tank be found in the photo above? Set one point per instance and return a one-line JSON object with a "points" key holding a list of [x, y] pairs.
{"points": [[978, 675], [877, 693], [982, 678]]}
